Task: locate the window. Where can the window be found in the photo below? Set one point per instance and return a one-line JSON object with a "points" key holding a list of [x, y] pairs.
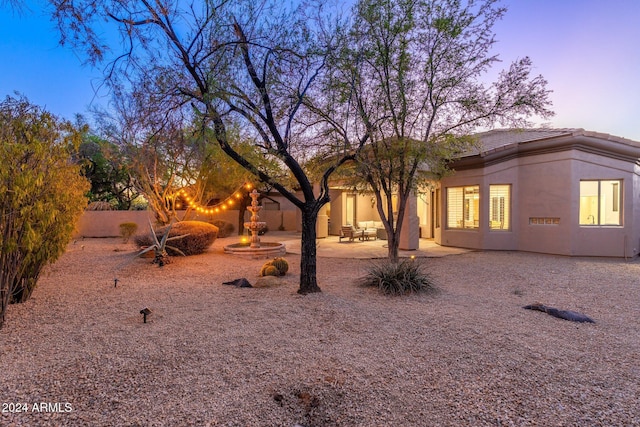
{"points": [[500, 207], [463, 207], [600, 202], [436, 208]]}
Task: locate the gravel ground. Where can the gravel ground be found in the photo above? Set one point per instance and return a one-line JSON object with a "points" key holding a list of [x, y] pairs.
{"points": [[78, 352]]}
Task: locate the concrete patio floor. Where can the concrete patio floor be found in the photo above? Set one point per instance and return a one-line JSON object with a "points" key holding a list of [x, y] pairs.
{"points": [[331, 247]]}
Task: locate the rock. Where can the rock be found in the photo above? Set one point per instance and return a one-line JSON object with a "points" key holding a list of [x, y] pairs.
{"points": [[240, 283], [573, 316], [268, 282]]}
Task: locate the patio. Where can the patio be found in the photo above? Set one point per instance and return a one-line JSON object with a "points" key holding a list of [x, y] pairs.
{"points": [[331, 247]]}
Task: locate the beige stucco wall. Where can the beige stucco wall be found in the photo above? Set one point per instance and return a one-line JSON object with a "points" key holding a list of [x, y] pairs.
{"points": [[547, 185], [107, 223]]}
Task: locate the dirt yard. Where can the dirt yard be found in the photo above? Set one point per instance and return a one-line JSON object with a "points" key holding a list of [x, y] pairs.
{"points": [[78, 353]]}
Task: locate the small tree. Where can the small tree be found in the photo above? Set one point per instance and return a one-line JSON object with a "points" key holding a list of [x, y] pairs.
{"points": [[236, 64], [411, 77], [41, 195]]}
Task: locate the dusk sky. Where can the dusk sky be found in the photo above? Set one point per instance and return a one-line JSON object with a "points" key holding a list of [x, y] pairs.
{"points": [[588, 50]]}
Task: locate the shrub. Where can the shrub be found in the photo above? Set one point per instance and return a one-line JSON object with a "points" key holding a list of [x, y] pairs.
{"points": [[198, 236], [42, 195], [225, 228], [128, 229], [399, 278]]}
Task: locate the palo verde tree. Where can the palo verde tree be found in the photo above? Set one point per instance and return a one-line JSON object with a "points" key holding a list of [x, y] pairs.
{"points": [[413, 78], [41, 195], [240, 63]]}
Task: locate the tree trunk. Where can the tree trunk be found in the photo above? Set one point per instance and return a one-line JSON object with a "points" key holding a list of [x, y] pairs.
{"points": [[396, 225], [308, 280], [393, 242]]}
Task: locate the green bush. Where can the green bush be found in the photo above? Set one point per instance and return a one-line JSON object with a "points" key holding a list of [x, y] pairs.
{"points": [[225, 228], [403, 277], [198, 237], [42, 195], [128, 229]]}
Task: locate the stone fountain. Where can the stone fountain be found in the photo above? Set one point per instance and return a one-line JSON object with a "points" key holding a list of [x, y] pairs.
{"points": [[254, 248], [254, 226]]}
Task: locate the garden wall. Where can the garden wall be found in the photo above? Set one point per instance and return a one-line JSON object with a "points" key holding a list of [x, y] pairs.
{"points": [[107, 223]]}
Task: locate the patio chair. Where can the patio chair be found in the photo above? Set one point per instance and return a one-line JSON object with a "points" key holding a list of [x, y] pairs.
{"points": [[349, 231]]}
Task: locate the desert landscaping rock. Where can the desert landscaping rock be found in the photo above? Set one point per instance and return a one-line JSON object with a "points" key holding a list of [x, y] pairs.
{"points": [[268, 282], [216, 355]]}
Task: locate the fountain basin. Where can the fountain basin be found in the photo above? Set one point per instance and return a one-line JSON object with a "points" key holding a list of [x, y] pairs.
{"points": [[266, 250]]}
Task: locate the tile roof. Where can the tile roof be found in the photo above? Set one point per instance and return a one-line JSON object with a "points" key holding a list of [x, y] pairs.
{"points": [[499, 139]]}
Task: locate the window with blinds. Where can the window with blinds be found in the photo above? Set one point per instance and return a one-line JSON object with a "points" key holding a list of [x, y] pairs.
{"points": [[500, 207], [463, 207]]}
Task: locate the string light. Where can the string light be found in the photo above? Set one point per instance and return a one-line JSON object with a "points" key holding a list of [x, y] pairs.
{"points": [[217, 208]]}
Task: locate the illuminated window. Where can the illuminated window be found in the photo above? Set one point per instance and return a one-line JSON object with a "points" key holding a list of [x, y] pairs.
{"points": [[500, 207], [463, 207], [600, 202]]}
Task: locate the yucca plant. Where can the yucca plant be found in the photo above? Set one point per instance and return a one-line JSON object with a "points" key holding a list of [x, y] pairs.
{"points": [[161, 257], [399, 278]]}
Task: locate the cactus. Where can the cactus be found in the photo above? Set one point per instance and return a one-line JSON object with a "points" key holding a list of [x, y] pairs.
{"points": [[281, 264], [271, 271], [264, 267]]}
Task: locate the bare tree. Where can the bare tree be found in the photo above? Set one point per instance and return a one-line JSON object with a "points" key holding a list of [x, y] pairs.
{"points": [[233, 63], [411, 77]]}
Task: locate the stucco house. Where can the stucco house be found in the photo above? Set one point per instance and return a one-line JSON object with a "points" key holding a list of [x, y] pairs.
{"points": [[557, 191]]}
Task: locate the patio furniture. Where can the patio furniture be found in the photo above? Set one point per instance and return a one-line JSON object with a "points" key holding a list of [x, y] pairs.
{"points": [[368, 233], [350, 232], [370, 229]]}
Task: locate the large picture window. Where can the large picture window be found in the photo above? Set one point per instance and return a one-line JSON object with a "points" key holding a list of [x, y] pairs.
{"points": [[600, 202], [500, 207], [463, 207]]}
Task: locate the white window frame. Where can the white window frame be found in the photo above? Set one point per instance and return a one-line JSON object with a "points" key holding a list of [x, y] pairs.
{"points": [[602, 198]]}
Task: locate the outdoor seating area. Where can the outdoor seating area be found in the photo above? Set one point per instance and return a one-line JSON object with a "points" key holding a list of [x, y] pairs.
{"points": [[350, 232]]}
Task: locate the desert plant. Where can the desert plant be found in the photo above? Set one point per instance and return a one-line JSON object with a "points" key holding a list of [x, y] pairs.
{"points": [[264, 268], [128, 229], [270, 270], [195, 237], [225, 228], [159, 246], [281, 264], [398, 278]]}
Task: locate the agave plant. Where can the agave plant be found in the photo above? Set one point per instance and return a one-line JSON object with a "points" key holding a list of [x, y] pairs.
{"points": [[161, 257]]}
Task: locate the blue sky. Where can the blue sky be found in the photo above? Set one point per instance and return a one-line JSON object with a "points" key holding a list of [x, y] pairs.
{"points": [[588, 50]]}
